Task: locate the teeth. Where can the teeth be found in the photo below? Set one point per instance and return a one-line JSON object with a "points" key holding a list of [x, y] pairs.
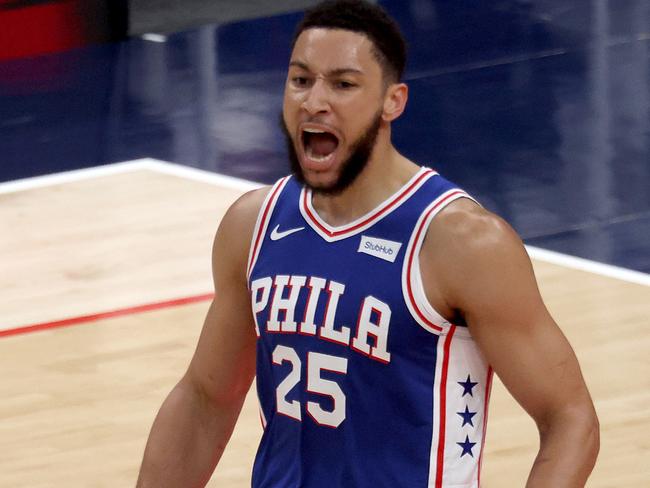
{"points": [[319, 159], [314, 131]]}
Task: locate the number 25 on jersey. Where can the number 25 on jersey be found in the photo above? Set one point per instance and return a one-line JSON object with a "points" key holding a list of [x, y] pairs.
{"points": [[316, 363]]}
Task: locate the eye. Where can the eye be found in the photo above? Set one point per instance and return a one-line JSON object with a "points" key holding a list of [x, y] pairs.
{"points": [[299, 81], [344, 85]]}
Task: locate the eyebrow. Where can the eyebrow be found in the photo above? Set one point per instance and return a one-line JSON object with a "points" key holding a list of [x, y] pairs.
{"points": [[334, 72]]}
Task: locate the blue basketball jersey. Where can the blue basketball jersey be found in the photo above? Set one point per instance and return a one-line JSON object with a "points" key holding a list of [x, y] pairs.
{"points": [[361, 383]]}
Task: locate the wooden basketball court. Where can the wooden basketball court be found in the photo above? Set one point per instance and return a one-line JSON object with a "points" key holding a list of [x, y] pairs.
{"points": [[105, 282]]}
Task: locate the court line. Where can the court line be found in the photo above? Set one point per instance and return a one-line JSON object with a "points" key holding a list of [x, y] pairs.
{"points": [[126, 167], [120, 312], [200, 175], [204, 176], [537, 253], [594, 267], [73, 175], [194, 174]]}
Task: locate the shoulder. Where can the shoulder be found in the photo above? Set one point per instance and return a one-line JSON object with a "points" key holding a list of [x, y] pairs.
{"points": [[468, 246], [242, 214], [464, 221], [232, 241]]}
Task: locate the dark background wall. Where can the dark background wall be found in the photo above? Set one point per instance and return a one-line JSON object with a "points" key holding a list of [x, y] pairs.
{"points": [[173, 15], [36, 27]]}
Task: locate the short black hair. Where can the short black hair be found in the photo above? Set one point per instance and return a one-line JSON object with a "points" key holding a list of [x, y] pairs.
{"points": [[365, 18]]}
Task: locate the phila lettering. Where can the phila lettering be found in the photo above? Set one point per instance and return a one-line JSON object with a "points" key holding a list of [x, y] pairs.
{"points": [[274, 301]]}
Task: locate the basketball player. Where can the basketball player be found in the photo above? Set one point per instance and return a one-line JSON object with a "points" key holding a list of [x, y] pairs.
{"points": [[372, 298]]}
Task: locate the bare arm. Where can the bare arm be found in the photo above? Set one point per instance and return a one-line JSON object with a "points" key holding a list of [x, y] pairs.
{"points": [[487, 279], [196, 420]]}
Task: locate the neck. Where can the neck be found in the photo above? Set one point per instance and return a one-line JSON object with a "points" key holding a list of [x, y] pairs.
{"points": [[386, 172]]}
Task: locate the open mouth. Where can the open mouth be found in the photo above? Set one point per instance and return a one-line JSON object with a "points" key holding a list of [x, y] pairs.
{"points": [[320, 145]]}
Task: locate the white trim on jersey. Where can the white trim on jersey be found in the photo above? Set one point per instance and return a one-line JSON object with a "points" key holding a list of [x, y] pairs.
{"points": [[460, 397], [486, 407], [412, 287], [332, 234], [262, 223], [262, 416]]}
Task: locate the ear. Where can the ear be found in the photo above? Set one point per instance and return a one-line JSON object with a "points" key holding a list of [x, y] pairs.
{"points": [[395, 100]]}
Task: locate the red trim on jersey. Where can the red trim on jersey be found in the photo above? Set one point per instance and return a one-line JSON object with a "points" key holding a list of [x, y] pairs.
{"points": [[307, 303], [488, 390], [325, 395], [290, 285], [368, 354], [326, 317], [260, 230], [412, 256], [356, 337], [373, 348], [396, 199], [443, 408]]}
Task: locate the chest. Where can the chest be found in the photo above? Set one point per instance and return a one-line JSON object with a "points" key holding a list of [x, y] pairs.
{"points": [[347, 293]]}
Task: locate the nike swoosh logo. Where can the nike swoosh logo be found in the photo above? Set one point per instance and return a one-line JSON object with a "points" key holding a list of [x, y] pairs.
{"points": [[276, 235]]}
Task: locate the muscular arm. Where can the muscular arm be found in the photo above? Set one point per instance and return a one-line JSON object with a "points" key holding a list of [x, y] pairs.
{"points": [[196, 420], [486, 277]]}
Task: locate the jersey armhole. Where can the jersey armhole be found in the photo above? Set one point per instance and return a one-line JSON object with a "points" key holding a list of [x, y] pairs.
{"points": [[262, 224], [412, 287]]}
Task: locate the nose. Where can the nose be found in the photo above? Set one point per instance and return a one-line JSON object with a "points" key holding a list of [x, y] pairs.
{"points": [[316, 98]]}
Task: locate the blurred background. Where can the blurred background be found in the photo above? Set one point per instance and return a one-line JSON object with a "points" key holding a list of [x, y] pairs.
{"points": [[538, 107]]}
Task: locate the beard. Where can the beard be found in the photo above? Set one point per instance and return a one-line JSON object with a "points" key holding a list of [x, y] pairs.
{"points": [[351, 168]]}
